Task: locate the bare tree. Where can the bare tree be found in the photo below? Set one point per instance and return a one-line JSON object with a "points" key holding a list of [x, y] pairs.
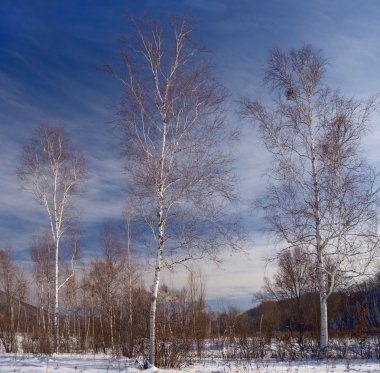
{"points": [[294, 276], [53, 170], [22, 289], [8, 288], [321, 196], [133, 277], [293, 280], [197, 304], [42, 254], [109, 272], [175, 147]]}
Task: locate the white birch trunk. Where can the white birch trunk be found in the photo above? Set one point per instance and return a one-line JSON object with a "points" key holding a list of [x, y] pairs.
{"points": [[323, 342], [152, 316], [157, 273], [319, 246], [324, 324], [56, 305], [155, 287], [130, 293]]}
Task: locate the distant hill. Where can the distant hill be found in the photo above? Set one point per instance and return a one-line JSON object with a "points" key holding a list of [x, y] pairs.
{"points": [[23, 311], [349, 313]]}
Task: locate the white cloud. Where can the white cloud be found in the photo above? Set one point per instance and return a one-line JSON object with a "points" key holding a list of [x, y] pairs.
{"points": [[104, 196], [235, 280]]}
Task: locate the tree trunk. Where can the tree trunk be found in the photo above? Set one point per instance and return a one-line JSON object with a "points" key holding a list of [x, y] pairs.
{"points": [[319, 246], [102, 331], [130, 294], [111, 320], [324, 324], [153, 307], [55, 316], [18, 315], [93, 326], [160, 250], [157, 273]]}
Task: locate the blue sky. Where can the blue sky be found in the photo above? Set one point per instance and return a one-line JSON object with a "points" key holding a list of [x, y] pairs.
{"points": [[50, 58]]}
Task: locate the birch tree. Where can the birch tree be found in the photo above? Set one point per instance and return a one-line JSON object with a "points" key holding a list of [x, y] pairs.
{"points": [[175, 146], [53, 170], [321, 194]]}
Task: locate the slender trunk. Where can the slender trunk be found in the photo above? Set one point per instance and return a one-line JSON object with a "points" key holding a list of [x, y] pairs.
{"points": [[319, 244], [87, 330], [18, 315], [153, 306], [56, 305], [156, 282], [42, 310], [77, 331], [323, 303], [102, 332], [93, 326], [160, 250], [130, 299], [324, 325], [12, 326], [112, 329], [56, 232], [49, 308], [68, 320]]}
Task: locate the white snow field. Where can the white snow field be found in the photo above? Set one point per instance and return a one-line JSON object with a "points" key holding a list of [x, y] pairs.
{"points": [[65, 363]]}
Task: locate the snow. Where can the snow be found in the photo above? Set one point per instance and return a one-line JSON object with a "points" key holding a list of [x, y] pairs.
{"points": [[87, 363]]}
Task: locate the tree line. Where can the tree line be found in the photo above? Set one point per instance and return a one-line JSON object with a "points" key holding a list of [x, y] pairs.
{"points": [[105, 308]]}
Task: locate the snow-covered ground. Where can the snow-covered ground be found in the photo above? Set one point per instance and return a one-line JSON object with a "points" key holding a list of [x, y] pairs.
{"points": [[65, 363]]}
